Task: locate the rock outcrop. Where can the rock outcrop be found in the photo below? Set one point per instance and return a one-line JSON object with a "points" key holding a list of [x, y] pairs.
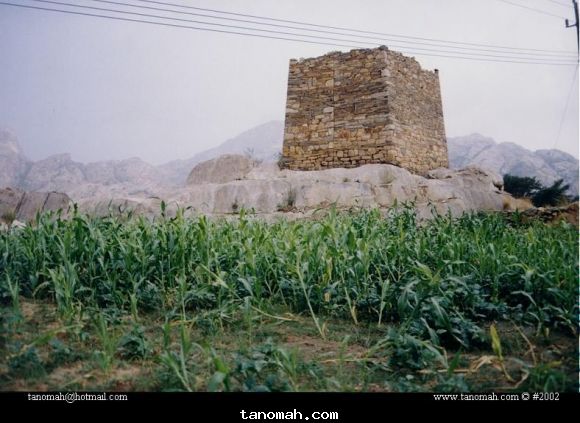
{"points": [[546, 165], [226, 168], [269, 192], [23, 206]]}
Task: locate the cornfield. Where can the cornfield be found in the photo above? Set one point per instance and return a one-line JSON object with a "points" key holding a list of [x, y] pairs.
{"points": [[425, 287]]}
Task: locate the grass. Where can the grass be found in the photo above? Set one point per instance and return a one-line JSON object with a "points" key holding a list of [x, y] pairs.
{"points": [[352, 301]]}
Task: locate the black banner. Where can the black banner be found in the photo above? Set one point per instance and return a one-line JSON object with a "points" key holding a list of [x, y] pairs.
{"points": [[285, 406]]}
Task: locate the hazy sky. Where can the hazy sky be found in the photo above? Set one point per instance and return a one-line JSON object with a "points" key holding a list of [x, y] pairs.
{"points": [[102, 89]]}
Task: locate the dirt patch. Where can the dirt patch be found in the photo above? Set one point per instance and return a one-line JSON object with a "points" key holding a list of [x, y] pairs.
{"points": [[29, 309], [125, 378], [64, 376], [78, 375], [318, 349]]}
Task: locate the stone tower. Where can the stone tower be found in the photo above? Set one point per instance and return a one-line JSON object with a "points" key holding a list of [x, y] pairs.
{"points": [[364, 106]]}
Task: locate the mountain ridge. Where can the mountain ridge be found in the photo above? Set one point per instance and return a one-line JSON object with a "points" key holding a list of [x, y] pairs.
{"points": [[135, 177]]}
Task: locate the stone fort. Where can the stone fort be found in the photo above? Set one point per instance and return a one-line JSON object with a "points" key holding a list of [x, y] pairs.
{"points": [[364, 106]]}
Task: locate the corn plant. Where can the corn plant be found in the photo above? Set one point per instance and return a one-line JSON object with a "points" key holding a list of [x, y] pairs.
{"points": [[440, 282]]}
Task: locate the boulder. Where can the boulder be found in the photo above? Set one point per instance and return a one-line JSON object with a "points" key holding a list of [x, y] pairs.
{"points": [[23, 206], [227, 168], [9, 201]]}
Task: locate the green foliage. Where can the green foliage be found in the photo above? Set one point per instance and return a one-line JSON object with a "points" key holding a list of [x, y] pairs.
{"points": [[61, 353], [547, 378], [179, 364], [451, 383], [134, 345], [437, 285], [521, 186], [552, 195], [105, 354], [26, 364], [264, 368], [408, 351], [450, 272], [530, 187]]}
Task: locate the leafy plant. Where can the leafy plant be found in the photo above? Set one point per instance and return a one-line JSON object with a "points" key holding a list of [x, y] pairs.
{"points": [[134, 345], [521, 186], [264, 368], [61, 353], [179, 363], [552, 195], [108, 343], [27, 364], [546, 377]]}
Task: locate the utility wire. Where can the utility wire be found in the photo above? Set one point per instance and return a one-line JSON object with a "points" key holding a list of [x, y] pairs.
{"points": [[416, 50], [359, 31], [412, 43], [560, 3], [118, 18], [566, 107], [532, 9], [100, 9]]}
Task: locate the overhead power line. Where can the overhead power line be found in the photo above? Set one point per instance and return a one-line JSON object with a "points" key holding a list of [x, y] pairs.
{"points": [[415, 50], [533, 9], [359, 31], [118, 18], [559, 2], [255, 22]]}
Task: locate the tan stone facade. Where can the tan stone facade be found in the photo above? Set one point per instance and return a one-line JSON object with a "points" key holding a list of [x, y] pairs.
{"points": [[361, 107]]}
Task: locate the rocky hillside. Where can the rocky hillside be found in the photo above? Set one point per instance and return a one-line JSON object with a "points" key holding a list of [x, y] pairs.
{"points": [[265, 142], [507, 157], [131, 177], [121, 177], [136, 178], [227, 184]]}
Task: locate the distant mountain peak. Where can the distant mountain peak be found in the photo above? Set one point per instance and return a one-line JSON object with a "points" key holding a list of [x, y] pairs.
{"points": [[9, 144], [58, 158], [264, 142], [509, 157]]}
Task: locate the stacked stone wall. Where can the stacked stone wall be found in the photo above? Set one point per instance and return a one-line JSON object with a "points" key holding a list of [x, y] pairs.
{"points": [[361, 107]]}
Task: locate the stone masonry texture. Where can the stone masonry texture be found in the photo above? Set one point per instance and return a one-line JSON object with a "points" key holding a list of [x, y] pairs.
{"points": [[364, 106]]}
